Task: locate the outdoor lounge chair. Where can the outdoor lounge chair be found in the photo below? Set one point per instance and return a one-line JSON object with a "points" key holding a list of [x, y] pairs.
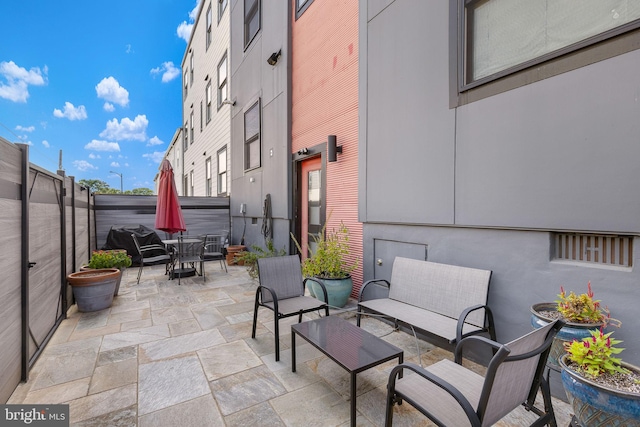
{"points": [[281, 290], [451, 395], [147, 256]]}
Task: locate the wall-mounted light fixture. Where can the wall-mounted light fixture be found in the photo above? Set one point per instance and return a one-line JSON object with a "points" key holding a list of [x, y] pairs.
{"points": [[302, 151], [273, 59], [333, 149], [204, 154], [227, 102], [206, 77]]}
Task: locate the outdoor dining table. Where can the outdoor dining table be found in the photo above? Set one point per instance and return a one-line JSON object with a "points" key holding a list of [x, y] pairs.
{"points": [[182, 271]]}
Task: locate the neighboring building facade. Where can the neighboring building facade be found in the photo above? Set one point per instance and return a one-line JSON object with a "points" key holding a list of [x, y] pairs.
{"points": [[173, 155], [324, 94], [484, 144], [205, 114]]}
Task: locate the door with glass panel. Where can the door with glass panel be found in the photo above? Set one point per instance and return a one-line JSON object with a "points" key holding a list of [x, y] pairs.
{"points": [[311, 204]]}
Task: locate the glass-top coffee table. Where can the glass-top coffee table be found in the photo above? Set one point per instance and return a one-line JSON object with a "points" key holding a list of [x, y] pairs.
{"points": [[351, 347]]}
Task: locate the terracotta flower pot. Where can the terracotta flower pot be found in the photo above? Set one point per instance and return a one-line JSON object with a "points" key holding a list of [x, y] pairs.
{"points": [[231, 253], [93, 289]]}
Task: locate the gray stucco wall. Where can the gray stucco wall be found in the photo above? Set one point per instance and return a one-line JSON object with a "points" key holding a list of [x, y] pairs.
{"points": [[252, 78], [485, 184]]}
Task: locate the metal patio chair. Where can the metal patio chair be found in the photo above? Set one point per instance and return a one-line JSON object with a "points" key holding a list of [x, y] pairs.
{"points": [[212, 250], [451, 395], [281, 290], [147, 256]]}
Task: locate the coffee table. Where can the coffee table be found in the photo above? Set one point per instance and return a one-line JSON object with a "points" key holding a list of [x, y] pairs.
{"points": [[351, 347]]}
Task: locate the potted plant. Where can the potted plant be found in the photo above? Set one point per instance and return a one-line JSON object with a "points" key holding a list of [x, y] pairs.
{"points": [[250, 258], [111, 258], [93, 290], [329, 263], [601, 388], [581, 313]]}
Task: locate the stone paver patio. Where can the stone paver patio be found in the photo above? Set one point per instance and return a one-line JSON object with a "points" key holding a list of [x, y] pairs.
{"points": [[169, 355]]}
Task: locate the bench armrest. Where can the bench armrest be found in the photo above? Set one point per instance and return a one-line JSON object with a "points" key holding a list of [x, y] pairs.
{"points": [[375, 281], [484, 340], [488, 321]]}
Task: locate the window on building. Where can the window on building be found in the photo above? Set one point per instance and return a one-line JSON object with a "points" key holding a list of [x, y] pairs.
{"points": [[252, 137], [186, 83], [222, 5], [191, 127], [222, 80], [185, 143], [251, 20], [500, 37], [207, 174], [301, 6], [191, 70], [201, 122], [185, 185], [222, 172], [610, 250], [208, 101], [209, 19]]}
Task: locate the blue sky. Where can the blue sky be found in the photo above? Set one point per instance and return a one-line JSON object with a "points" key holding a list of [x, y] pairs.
{"points": [[99, 80]]}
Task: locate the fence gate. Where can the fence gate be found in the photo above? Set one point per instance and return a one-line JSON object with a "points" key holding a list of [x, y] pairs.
{"points": [[47, 257]]}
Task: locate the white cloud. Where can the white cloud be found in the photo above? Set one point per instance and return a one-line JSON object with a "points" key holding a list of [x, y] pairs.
{"points": [[155, 157], [25, 129], [98, 145], [115, 165], [83, 165], [71, 112], [168, 70], [184, 29], [129, 49], [108, 107], [110, 90], [127, 129], [126, 165], [46, 143], [155, 141], [18, 79], [94, 156]]}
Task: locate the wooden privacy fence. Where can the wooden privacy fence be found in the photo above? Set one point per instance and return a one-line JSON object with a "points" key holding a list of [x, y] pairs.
{"points": [[47, 223], [51, 224]]}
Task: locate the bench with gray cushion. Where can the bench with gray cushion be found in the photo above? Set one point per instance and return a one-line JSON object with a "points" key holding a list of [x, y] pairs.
{"points": [[443, 300]]}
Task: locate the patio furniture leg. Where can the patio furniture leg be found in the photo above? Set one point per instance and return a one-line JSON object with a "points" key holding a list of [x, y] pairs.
{"points": [[255, 316], [353, 399], [140, 271], [277, 333], [293, 351]]}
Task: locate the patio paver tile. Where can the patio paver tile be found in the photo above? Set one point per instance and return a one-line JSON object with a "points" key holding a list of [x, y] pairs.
{"points": [[107, 402], [227, 359], [198, 412]]}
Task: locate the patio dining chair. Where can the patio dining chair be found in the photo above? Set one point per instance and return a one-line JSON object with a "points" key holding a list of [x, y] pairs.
{"points": [[152, 254], [212, 250], [281, 290], [451, 395]]}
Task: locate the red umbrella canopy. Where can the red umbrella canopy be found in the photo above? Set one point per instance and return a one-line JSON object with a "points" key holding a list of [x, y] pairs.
{"points": [[168, 212]]}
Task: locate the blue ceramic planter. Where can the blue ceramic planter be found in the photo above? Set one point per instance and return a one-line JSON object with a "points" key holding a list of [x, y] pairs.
{"points": [[338, 290], [595, 405], [568, 333]]}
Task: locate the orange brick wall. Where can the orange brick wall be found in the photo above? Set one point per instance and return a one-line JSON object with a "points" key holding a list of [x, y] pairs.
{"points": [[325, 102]]}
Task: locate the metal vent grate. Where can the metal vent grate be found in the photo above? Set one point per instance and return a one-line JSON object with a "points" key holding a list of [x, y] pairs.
{"points": [[594, 248]]}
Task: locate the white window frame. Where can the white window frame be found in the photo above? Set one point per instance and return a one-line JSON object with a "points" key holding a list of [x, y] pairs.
{"points": [[222, 172], [208, 177], [222, 6], [207, 96], [209, 26], [223, 87], [249, 140], [249, 14]]}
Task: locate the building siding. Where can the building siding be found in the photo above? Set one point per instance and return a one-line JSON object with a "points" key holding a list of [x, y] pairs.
{"points": [[325, 102]]}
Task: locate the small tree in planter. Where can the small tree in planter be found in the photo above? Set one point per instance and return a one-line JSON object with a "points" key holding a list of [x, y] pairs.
{"points": [[598, 384], [250, 259], [329, 263]]}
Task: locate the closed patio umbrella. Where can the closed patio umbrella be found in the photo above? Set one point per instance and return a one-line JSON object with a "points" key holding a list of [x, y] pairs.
{"points": [[168, 212]]}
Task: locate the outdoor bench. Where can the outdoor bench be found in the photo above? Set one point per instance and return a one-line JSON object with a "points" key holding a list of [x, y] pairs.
{"points": [[443, 300]]}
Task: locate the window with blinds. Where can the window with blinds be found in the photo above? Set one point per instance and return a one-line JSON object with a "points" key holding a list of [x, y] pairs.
{"points": [[600, 249]]}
